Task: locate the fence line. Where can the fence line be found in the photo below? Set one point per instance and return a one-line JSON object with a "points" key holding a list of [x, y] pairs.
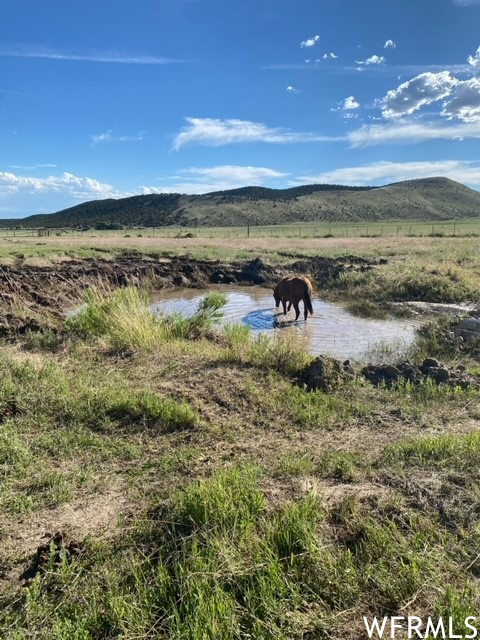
{"points": [[463, 228]]}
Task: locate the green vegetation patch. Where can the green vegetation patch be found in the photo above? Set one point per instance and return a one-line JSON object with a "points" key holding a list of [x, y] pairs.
{"points": [[217, 563], [125, 320]]}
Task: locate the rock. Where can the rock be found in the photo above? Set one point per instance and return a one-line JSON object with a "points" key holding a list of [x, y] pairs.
{"points": [[468, 328], [439, 374], [390, 375], [430, 362], [326, 373], [392, 372]]}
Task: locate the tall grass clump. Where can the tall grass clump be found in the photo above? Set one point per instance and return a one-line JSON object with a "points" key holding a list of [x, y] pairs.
{"points": [[280, 353], [124, 319], [201, 322]]}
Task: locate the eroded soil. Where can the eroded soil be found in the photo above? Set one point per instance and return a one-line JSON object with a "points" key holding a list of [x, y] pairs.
{"points": [[35, 296]]}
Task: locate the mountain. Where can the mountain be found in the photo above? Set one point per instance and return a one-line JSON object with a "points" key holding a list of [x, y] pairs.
{"points": [[424, 199]]}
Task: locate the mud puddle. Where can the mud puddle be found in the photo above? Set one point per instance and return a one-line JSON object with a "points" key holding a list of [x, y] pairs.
{"points": [[330, 331]]}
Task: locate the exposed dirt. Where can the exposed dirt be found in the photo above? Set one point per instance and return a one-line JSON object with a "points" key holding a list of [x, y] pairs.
{"points": [[94, 515], [51, 552], [43, 292]]}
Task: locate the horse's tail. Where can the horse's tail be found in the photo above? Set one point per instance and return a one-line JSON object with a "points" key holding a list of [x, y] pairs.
{"points": [[308, 301]]}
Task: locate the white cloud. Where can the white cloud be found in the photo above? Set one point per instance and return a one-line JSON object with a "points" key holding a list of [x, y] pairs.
{"points": [[372, 60], [220, 178], [109, 137], [92, 56], [466, 3], [350, 103], [386, 172], [67, 183], [213, 132], [235, 173], [389, 44], [348, 106], [465, 103], [32, 167], [474, 60], [291, 89], [417, 92], [405, 132], [310, 42], [329, 55]]}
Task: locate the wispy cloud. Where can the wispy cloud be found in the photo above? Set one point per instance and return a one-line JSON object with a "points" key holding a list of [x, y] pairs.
{"points": [[386, 172], [389, 44], [310, 42], [466, 3], [116, 57], [32, 167], [291, 89], [391, 69], [408, 132], [213, 132], [108, 136], [219, 178]]}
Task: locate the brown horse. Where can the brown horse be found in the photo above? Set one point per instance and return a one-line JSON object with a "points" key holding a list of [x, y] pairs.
{"points": [[292, 290]]}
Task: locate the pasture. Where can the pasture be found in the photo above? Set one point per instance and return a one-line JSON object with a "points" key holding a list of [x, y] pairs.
{"points": [[161, 479]]}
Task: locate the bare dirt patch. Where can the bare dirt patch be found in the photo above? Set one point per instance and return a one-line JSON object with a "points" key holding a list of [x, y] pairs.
{"points": [[92, 515]]}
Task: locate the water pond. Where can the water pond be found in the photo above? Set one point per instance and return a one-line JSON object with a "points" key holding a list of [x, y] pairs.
{"points": [[330, 331]]}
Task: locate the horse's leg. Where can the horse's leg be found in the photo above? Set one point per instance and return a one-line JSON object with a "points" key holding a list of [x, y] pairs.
{"points": [[297, 310], [289, 305], [284, 303], [305, 311]]}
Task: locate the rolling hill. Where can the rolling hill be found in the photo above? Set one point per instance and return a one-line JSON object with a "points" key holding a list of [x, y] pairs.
{"points": [[424, 199]]}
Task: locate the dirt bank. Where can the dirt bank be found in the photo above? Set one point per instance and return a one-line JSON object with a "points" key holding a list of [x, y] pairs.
{"points": [[32, 296]]}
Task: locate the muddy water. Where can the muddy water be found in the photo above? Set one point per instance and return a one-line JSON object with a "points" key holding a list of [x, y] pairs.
{"points": [[330, 331]]}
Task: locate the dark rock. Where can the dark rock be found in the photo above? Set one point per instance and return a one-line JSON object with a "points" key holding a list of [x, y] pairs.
{"points": [[439, 374], [390, 375], [468, 328], [430, 362], [326, 373]]}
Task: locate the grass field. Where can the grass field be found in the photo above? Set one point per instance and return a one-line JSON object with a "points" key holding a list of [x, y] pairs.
{"points": [[160, 480], [450, 228]]}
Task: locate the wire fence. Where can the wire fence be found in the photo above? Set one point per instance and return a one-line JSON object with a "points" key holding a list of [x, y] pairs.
{"points": [[457, 228]]}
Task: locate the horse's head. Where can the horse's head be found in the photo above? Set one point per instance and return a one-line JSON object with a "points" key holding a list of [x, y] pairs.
{"points": [[277, 296]]}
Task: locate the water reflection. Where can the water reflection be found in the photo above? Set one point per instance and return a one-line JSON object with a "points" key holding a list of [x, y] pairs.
{"points": [[330, 331], [259, 319]]}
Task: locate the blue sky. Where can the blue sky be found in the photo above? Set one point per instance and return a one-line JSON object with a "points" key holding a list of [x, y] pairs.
{"points": [[109, 99]]}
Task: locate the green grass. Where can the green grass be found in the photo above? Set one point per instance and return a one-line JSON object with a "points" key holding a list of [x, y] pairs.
{"points": [[124, 319], [216, 563], [457, 452], [204, 447]]}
